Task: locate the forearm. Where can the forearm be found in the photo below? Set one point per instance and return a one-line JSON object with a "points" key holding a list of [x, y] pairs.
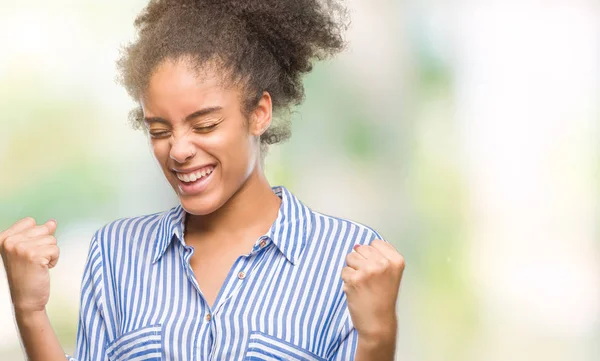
{"points": [[380, 347], [38, 337]]}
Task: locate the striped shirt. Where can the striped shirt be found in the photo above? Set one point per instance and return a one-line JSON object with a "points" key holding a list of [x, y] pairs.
{"points": [[282, 301]]}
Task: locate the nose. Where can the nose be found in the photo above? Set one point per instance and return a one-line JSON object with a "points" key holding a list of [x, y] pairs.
{"points": [[182, 150]]}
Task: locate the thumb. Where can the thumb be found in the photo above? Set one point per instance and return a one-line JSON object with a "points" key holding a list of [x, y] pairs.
{"points": [[51, 224]]}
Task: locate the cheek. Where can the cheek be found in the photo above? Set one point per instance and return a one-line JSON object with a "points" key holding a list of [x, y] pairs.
{"points": [[160, 149], [232, 148], [232, 142]]}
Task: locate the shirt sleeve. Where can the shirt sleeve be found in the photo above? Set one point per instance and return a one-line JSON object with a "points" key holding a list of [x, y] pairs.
{"points": [[91, 329]]}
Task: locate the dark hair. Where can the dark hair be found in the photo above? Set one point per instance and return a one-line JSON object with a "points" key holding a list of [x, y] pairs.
{"points": [[263, 45]]}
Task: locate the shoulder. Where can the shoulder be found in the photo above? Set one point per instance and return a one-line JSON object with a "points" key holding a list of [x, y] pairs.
{"points": [[329, 231], [129, 230], [327, 227]]}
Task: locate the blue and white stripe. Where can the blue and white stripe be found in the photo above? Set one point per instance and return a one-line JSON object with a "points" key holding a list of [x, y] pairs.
{"points": [[140, 299]]}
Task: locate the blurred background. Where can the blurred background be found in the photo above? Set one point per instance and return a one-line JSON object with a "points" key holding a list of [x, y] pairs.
{"points": [[466, 132]]}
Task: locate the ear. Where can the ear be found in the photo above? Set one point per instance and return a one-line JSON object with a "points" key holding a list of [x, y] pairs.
{"points": [[262, 115]]}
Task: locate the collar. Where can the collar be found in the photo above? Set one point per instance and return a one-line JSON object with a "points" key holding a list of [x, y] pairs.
{"points": [[288, 233]]}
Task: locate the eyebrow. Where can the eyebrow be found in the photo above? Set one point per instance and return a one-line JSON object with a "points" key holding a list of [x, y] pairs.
{"points": [[195, 114]]}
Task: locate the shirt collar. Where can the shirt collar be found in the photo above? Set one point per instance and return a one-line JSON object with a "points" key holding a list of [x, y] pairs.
{"points": [[288, 233], [170, 226]]}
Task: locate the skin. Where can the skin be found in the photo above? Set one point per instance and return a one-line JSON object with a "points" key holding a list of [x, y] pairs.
{"points": [[222, 136], [371, 283]]}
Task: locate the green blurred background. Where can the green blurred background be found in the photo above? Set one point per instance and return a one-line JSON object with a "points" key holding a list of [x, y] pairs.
{"points": [[465, 132]]}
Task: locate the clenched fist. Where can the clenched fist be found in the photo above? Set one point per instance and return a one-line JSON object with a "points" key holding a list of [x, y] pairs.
{"points": [[28, 252], [371, 283]]}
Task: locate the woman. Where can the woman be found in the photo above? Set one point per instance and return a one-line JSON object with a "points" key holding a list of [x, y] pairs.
{"points": [[238, 270]]}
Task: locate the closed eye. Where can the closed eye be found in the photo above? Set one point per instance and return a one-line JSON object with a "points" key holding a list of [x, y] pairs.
{"points": [[159, 135], [206, 128], [165, 134]]}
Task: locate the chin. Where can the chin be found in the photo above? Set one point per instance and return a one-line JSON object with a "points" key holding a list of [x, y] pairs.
{"points": [[200, 205]]}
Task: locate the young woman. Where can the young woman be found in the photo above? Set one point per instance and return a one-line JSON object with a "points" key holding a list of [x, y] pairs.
{"points": [[238, 270]]}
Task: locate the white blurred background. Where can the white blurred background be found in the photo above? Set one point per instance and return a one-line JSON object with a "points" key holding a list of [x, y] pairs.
{"points": [[465, 132]]}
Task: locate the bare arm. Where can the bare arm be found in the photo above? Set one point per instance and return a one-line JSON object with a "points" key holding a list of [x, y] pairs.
{"points": [[381, 348], [28, 252], [38, 337]]}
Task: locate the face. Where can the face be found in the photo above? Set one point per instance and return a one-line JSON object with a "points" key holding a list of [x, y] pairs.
{"points": [[205, 145]]}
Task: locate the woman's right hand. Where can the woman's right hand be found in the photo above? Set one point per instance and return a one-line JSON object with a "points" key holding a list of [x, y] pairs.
{"points": [[28, 252]]}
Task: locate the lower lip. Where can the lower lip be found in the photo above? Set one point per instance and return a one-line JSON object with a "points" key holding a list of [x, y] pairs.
{"points": [[195, 187]]}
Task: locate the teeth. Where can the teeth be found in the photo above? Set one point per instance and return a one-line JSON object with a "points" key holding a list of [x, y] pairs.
{"points": [[192, 177]]}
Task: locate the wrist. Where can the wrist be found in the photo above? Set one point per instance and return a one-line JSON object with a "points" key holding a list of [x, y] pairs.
{"points": [[25, 317], [382, 335], [380, 346]]}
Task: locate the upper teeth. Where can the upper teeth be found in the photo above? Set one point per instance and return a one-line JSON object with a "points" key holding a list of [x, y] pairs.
{"points": [[192, 177]]}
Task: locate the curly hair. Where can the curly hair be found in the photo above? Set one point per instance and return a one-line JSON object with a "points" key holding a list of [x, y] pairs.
{"points": [[262, 45]]}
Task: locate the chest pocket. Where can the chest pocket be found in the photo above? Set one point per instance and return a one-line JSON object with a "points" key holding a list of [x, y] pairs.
{"points": [[143, 344], [263, 347]]}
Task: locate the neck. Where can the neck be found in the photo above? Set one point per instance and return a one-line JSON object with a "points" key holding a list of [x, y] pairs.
{"points": [[251, 210]]}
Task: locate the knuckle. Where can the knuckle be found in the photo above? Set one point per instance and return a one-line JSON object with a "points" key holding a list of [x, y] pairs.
{"points": [[50, 240], [44, 229], [351, 256], [384, 263], [353, 280], [372, 271], [8, 249], [30, 255], [364, 279], [349, 286], [10, 243], [401, 262], [20, 249]]}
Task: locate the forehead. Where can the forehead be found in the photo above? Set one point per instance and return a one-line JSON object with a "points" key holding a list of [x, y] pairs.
{"points": [[175, 88]]}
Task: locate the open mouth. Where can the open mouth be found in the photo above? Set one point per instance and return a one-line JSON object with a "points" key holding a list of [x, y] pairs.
{"points": [[196, 176], [195, 182]]}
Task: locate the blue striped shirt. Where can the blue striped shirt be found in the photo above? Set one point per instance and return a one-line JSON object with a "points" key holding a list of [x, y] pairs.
{"points": [[282, 301]]}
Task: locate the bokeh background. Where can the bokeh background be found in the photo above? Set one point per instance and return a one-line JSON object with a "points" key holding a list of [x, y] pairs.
{"points": [[466, 132]]}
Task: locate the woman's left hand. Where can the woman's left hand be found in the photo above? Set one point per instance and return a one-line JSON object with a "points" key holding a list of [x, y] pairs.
{"points": [[371, 283]]}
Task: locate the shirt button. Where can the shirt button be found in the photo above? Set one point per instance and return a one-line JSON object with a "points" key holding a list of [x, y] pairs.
{"points": [[262, 243], [242, 275], [207, 317]]}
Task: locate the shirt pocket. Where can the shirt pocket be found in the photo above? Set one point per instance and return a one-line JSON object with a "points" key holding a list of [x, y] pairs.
{"points": [[263, 347], [143, 344]]}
